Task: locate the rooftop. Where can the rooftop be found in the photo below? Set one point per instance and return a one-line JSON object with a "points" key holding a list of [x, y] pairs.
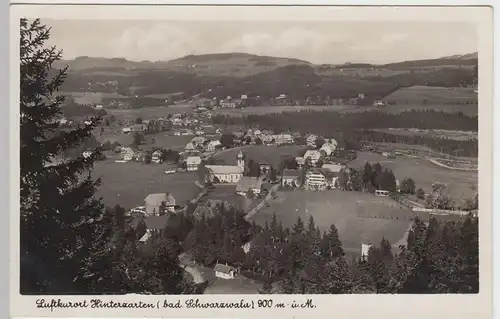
{"points": [[246, 183], [158, 198], [223, 268], [224, 169]]}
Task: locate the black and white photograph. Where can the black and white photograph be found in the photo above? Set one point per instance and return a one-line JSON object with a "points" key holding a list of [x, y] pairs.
{"points": [[239, 157]]}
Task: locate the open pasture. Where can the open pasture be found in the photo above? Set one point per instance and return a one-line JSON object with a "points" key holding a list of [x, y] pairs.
{"points": [[127, 184], [238, 285], [149, 113], [433, 95], [462, 184], [160, 139], [90, 97], [359, 217], [261, 154]]}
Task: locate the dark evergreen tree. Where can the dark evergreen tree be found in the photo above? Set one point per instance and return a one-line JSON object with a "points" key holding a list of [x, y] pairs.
{"points": [[59, 210]]}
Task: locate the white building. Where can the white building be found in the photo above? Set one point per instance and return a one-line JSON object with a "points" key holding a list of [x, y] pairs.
{"points": [[128, 154], [193, 162], [365, 248], [311, 140], [281, 139], [227, 173], [224, 271], [157, 157], [189, 147], [328, 148], [213, 145], [319, 179], [312, 156]]}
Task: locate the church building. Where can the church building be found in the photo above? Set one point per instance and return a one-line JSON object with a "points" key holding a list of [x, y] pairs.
{"points": [[227, 173]]}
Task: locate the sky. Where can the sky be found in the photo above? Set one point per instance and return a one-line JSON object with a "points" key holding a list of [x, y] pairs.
{"points": [[316, 42]]}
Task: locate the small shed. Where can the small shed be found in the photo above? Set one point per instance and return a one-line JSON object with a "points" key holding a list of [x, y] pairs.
{"points": [[224, 271]]}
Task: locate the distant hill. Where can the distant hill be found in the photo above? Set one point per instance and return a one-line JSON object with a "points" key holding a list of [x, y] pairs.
{"points": [[235, 74], [467, 56], [233, 64]]}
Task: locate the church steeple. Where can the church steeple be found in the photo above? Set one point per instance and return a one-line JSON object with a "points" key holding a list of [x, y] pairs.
{"points": [[240, 160]]}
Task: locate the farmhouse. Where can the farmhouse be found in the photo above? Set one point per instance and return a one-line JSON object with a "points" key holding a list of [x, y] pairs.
{"points": [[189, 147], [224, 271], [193, 162], [311, 140], [213, 145], [198, 140], [157, 157], [128, 154], [290, 178], [319, 179], [300, 161], [265, 168], [281, 139], [155, 202], [312, 156], [228, 103], [247, 183], [329, 148]]}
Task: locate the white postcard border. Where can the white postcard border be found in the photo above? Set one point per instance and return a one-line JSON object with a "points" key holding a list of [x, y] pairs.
{"points": [[352, 306]]}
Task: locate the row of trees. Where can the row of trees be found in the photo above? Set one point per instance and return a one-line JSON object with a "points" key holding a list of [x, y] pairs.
{"points": [[339, 126]]}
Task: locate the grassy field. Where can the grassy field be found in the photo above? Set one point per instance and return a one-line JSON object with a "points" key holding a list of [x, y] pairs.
{"points": [[90, 97], [462, 184], [438, 95], [238, 285], [342, 209], [161, 139], [127, 184], [271, 155], [148, 113]]}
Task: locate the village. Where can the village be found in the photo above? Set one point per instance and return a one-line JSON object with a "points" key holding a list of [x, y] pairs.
{"points": [[253, 166]]}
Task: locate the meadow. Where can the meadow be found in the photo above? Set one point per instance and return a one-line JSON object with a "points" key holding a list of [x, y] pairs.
{"points": [[90, 97], [462, 184], [357, 216], [161, 140], [128, 184], [433, 95]]}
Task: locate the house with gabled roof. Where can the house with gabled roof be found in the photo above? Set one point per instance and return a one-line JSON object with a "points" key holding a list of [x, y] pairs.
{"points": [[155, 203]]}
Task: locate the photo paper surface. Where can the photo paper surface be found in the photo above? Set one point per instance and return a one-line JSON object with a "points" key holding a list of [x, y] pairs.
{"points": [[204, 161]]}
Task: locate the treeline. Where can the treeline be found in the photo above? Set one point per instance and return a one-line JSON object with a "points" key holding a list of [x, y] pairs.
{"points": [[117, 263], [72, 109], [439, 258], [325, 122], [466, 148], [445, 77], [355, 127]]}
